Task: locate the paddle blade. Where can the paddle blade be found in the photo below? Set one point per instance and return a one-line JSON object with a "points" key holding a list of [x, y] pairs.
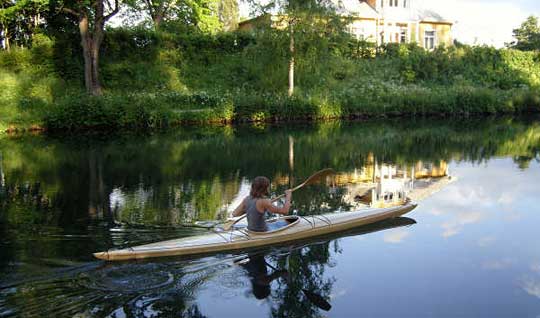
{"points": [[317, 300], [227, 226]]}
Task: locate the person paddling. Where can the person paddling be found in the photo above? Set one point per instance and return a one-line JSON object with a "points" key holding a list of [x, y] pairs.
{"points": [[256, 204]]}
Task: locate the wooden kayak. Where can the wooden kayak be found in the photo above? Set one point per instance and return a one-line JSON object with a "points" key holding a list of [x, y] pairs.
{"points": [[281, 230]]}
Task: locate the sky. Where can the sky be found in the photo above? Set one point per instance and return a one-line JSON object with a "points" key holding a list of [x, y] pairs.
{"points": [[479, 22], [487, 22]]}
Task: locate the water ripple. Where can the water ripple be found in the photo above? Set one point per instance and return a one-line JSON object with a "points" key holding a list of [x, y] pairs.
{"points": [[128, 278]]}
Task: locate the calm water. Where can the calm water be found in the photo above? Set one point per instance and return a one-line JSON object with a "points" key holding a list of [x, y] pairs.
{"points": [[471, 249]]}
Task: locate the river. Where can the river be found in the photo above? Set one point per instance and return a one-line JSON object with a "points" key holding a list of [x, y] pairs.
{"points": [[470, 249]]}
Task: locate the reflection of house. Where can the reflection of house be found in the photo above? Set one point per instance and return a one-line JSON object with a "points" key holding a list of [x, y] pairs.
{"points": [[376, 184], [381, 185], [430, 170], [382, 21]]}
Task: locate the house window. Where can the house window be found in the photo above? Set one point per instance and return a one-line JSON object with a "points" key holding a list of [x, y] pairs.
{"points": [[403, 36], [358, 32], [429, 40], [393, 3], [404, 3]]}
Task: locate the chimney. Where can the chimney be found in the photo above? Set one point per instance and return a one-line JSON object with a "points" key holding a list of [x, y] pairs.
{"points": [[372, 3]]}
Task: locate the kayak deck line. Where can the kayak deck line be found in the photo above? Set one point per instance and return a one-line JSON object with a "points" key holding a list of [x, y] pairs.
{"points": [[299, 227]]}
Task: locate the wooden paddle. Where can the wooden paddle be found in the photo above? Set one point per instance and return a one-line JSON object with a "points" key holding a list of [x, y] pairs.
{"points": [[312, 179]]}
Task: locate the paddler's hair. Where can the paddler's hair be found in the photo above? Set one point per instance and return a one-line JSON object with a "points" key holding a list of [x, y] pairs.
{"points": [[259, 187]]}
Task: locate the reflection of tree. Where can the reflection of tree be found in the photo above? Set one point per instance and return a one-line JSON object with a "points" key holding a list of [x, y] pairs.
{"points": [[257, 268], [301, 295], [523, 162], [98, 196], [2, 176], [192, 174], [306, 268], [166, 305], [177, 204]]}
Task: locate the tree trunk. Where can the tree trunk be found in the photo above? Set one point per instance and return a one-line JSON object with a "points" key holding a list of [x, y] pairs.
{"points": [[6, 39], [291, 61], [2, 35], [91, 39], [157, 20], [157, 10], [90, 44], [2, 176], [98, 195]]}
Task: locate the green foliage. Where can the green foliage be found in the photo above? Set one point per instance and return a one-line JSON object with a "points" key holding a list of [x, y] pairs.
{"points": [[19, 21], [28, 83], [160, 78], [135, 111], [200, 15], [486, 66], [527, 35]]}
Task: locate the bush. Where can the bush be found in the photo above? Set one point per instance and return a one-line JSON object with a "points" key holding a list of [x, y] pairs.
{"points": [[135, 111]]}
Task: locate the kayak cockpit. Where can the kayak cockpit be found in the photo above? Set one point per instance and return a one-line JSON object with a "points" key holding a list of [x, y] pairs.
{"points": [[279, 224]]}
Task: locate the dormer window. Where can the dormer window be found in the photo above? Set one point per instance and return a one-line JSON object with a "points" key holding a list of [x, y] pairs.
{"points": [[394, 3]]}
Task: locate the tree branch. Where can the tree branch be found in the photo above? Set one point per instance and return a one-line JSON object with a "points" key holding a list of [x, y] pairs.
{"points": [[71, 11], [115, 11]]}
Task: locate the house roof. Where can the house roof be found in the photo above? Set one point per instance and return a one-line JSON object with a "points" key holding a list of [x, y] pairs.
{"points": [[360, 8], [431, 16], [355, 8]]}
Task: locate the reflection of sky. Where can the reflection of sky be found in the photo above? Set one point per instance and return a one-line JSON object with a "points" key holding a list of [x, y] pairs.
{"points": [[473, 253], [396, 236]]}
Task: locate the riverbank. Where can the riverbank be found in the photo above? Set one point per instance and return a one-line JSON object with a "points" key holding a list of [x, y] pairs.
{"points": [[242, 77], [143, 111]]}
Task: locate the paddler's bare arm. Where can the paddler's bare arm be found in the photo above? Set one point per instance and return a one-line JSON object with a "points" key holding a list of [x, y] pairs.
{"points": [[266, 205], [240, 209]]}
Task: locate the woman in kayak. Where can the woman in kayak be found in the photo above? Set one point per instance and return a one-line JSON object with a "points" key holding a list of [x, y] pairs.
{"points": [[256, 204]]}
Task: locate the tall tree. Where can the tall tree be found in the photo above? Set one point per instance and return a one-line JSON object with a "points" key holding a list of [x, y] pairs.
{"points": [[228, 14], [527, 35], [6, 18], [19, 20], [91, 17], [312, 27], [199, 14]]}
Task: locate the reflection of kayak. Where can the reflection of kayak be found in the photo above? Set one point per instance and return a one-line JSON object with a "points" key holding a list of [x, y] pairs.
{"points": [[281, 230]]}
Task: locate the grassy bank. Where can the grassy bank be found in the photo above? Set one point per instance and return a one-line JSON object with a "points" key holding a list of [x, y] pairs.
{"points": [[157, 80], [148, 111]]}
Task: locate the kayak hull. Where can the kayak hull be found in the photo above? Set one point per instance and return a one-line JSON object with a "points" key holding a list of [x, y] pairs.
{"points": [[302, 228]]}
